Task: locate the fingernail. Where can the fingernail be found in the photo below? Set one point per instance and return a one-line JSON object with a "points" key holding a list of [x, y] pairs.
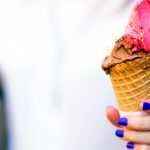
{"points": [[130, 145], [146, 106], [123, 121], [120, 133]]}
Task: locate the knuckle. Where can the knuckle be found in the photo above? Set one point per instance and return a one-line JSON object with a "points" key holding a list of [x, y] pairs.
{"points": [[145, 147], [138, 124], [141, 147], [130, 136]]}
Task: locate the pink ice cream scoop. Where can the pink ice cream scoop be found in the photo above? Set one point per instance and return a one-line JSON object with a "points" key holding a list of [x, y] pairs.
{"points": [[137, 32]]}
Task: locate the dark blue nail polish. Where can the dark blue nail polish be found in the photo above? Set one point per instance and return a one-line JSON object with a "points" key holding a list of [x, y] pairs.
{"points": [[130, 145], [120, 133], [146, 106], [123, 121]]}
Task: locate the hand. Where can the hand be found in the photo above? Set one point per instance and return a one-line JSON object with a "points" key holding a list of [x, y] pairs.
{"points": [[134, 129]]}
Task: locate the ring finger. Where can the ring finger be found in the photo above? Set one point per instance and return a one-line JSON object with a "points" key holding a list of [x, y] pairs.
{"points": [[133, 146], [142, 137]]}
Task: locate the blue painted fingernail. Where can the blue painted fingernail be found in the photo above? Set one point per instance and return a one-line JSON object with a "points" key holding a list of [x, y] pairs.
{"points": [[146, 106], [119, 133], [130, 145], [123, 121]]}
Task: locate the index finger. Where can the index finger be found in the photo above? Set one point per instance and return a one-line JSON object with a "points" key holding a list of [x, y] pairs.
{"points": [[145, 106]]}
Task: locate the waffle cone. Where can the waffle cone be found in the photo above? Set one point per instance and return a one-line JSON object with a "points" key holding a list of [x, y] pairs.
{"points": [[131, 83]]}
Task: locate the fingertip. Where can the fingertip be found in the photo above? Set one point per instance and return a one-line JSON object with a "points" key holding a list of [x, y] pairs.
{"points": [[130, 145], [112, 115], [109, 108], [145, 105]]}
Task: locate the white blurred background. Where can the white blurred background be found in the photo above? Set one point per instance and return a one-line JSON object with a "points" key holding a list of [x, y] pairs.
{"points": [[50, 63]]}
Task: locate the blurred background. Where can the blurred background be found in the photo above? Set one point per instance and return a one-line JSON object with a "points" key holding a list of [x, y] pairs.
{"points": [[3, 127], [53, 93]]}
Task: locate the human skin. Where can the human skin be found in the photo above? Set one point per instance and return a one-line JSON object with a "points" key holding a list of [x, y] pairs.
{"points": [[137, 130]]}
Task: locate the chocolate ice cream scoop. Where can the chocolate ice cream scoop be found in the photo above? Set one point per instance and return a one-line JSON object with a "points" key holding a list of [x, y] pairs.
{"points": [[120, 53]]}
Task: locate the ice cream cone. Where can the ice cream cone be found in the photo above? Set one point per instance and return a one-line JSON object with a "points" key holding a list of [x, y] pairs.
{"points": [[131, 83], [128, 64]]}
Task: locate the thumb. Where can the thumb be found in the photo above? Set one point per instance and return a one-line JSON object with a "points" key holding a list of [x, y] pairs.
{"points": [[145, 105], [112, 115]]}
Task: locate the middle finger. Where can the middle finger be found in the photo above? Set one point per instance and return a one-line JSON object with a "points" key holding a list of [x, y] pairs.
{"points": [[141, 123]]}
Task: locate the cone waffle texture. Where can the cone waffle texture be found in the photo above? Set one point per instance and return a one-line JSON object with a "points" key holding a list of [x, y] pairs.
{"points": [[131, 83]]}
